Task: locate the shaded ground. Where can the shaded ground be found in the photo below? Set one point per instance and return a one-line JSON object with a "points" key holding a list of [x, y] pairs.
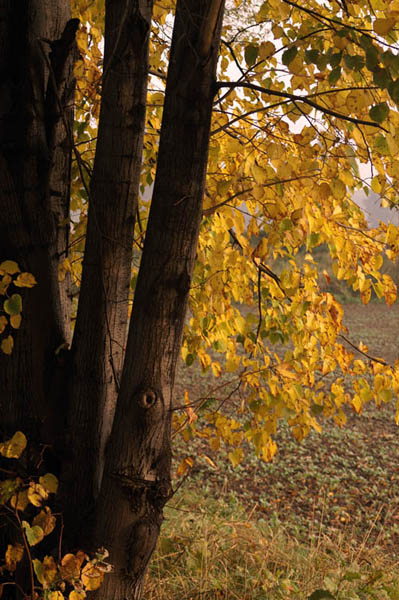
{"points": [[343, 479]]}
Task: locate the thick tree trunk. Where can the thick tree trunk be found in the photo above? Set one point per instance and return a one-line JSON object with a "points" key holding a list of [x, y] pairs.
{"points": [[136, 481], [101, 327], [35, 122]]}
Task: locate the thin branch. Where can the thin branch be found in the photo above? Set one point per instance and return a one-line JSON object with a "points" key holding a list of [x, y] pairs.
{"points": [[372, 358], [212, 209], [296, 98]]}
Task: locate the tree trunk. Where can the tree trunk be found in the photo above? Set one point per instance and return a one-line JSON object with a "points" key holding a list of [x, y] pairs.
{"points": [[101, 327], [36, 120], [136, 481]]}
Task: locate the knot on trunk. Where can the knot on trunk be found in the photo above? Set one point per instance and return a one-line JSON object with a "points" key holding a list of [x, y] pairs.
{"points": [[147, 398]]}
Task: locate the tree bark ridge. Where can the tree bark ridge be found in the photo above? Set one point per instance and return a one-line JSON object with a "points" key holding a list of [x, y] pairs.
{"points": [[136, 483]]}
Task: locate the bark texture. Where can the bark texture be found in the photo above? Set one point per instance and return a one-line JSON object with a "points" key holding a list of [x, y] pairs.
{"points": [[136, 482], [101, 327], [36, 96]]}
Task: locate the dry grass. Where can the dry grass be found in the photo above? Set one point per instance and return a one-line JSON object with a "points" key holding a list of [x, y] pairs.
{"points": [[213, 549]]}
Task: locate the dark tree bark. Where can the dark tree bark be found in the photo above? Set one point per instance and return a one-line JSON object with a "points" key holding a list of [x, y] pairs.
{"points": [[35, 155], [136, 481], [37, 54], [101, 327]]}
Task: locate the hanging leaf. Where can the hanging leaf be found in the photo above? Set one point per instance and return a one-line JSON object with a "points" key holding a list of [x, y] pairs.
{"points": [[25, 280], [10, 267], [36, 494], [13, 305], [77, 595], [383, 26], [251, 54], [70, 567], [15, 321], [7, 345], [14, 447], [334, 75], [13, 556], [379, 112], [49, 482], [46, 520], [46, 571], [289, 55], [3, 323], [34, 534], [92, 577]]}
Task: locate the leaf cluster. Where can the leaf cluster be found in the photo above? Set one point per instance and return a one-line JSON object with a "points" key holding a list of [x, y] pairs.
{"points": [[24, 504]]}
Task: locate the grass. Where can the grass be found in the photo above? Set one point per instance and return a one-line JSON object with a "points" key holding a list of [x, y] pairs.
{"points": [[212, 548]]}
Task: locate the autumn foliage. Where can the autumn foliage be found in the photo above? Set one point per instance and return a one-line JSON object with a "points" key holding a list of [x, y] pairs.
{"points": [[304, 115]]}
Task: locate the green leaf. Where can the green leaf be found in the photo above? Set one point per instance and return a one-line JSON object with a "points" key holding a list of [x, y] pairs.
{"points": [[379, 112], [34, 534], [366, 42], [8, 487], [381, 145], [334, 75], [322, 62], [372, 58], [355, 63], [312, 56], [382, 78], [49, 482], [190, 358], [393, 90], [289, 55], [13, 305], [335, 59], [251, 54]]}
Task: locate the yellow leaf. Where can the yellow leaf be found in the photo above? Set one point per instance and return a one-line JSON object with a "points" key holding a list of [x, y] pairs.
{"points": [[338, 189], [36, 494], [49, 482], [15, 321], [77, 595], [14, 555], [20, 500], [185, 465], [259, 174], [356, 100], [10, 267], [56, 595], [92, 577], [383, 26], [236, 456], [3, 323], [4, 283], [70, 567], [266, 49], [216, 369], [284, 369], [46, 520], [46, 571], [7, 345], [14, 447], [209, 461], [25, 280]]}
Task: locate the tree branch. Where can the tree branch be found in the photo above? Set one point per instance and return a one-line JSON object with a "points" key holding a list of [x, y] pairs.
{"points": [[296, 98]]}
